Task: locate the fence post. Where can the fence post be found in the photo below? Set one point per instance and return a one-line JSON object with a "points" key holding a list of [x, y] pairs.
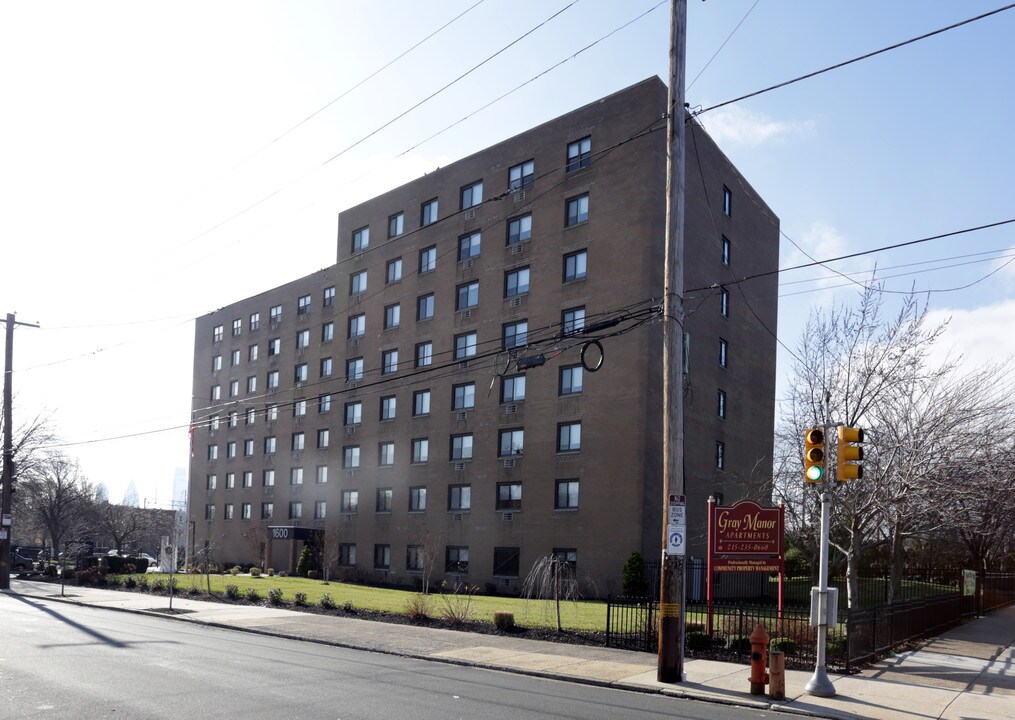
{"points": [[609, 607]]}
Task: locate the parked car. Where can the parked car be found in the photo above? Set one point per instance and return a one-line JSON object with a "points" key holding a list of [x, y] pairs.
{"points": [[20, 563]]}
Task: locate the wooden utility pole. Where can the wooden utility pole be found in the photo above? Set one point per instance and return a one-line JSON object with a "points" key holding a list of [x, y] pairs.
{"points": [[8, 460], [672, 571]]}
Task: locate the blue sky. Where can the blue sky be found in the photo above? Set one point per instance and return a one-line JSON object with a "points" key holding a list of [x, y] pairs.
{"points": [[134, 197]]}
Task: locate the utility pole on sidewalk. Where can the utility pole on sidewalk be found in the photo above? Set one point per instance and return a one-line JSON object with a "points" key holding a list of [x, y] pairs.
{"points": [[8, 460], [672, 570]]}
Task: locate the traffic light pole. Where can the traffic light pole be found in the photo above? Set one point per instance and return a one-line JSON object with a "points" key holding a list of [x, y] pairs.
{"points": [[819, 684]]}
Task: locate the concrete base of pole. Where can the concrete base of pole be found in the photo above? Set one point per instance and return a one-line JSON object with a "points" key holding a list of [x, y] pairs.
{"points": [[820, 685]]}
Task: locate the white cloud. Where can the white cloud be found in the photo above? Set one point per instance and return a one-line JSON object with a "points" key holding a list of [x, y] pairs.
{"points": [[980, 336], [734, 125]]}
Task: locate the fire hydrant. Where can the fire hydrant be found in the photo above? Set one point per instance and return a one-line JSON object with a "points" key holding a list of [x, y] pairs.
{"points": [[759, 678]]}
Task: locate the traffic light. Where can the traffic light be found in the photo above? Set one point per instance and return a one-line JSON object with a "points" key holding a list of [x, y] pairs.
{"points": [[848, 453], [814, 455]]}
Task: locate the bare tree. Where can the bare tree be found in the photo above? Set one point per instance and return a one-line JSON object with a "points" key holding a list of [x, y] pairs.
{"points": [[54, 498], [552, 578], [431, 543], [331, 550], [123, 524]]}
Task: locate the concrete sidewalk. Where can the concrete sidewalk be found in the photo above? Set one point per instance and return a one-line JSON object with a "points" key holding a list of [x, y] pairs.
{"points": [[968, 672]]}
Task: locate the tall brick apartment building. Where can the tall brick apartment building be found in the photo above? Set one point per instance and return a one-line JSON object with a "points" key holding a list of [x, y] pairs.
{"points": [[437, 392]]}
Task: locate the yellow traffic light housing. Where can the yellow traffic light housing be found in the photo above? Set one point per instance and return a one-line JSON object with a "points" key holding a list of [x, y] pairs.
{"points": [[814, 455], [849, 453]]}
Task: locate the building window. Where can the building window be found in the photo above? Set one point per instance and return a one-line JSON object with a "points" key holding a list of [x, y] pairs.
{"points": [[579, 154], [465, 346], [396, 225], [509, 496], [235, 358], [301, 373], [415, 558], [512, 389], [320, 509], [569, 437], [296, 476], [323, 438], [216, 363], [255, 321], [578, 210], [303, 305], [217, 333], [428, 259], [234, 419], [566, 556], [725, 251], [727, 202], [354, 369], [572, 322], [251, 384], [272, 381], [567, 495], [324, 403], [516, 282], [720, 455], [389, 362], [251, 416], [521, 176], [212, 482], [384, 500], [505, 561], [234, 388], [350, 501], [382, 557], [274, 346], [298, 441], [461, 447], [326, 367], [268, 478], [322, 474], [248, 447], [350, 457], [425, 307], [421, 403], [456, 560], [213, 423], [570, 380], [472, 195], [394, 270], [329, 296], [360, 239], [231, 449], [252, 353], [428, 213], [721, 404], [463, 397], [358, 283], [213, 452], [357, 325], [417, 499], [515, 334], [353, 413], [467, 296], [469, 246], [519, 229], [267, 510], [424, 354], [248, 479], [327, 332], [388, 405], [386, 454], [216, 392], [512, 442], [420, 450], [347, 555], [230, 481], [724, 302], [275, 315], [392, 316], [723, 350], [271, 413], [245, 511]]}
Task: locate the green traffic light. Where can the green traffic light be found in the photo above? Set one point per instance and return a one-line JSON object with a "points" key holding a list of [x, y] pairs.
{"points": [[815, 473]]}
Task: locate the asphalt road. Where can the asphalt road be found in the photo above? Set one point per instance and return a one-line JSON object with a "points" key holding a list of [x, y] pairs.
{"points": [[64, 661]]}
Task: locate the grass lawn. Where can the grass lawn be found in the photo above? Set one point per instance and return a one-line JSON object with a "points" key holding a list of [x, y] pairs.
{"points": [[872, 591], [589, 615]]}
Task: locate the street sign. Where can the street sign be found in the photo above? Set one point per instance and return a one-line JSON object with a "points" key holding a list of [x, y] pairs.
{"points": [[676, 540], [6, 520], [677, 510]]}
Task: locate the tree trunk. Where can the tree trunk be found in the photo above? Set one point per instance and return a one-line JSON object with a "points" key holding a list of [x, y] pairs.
{"points": [[897, 564]]}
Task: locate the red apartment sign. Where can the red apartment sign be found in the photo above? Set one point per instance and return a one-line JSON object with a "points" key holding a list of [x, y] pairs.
{"points": [[747, 529]]}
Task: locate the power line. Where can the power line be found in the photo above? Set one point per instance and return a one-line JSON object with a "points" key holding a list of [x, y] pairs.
{"points": [[856, 59], [728, 37]]}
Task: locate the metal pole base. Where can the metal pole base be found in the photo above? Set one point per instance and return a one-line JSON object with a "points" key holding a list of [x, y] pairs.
{"points": [[820, 685]]}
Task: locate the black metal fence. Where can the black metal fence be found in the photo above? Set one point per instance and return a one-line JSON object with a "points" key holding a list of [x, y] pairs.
{"points": [[928, 602]]}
